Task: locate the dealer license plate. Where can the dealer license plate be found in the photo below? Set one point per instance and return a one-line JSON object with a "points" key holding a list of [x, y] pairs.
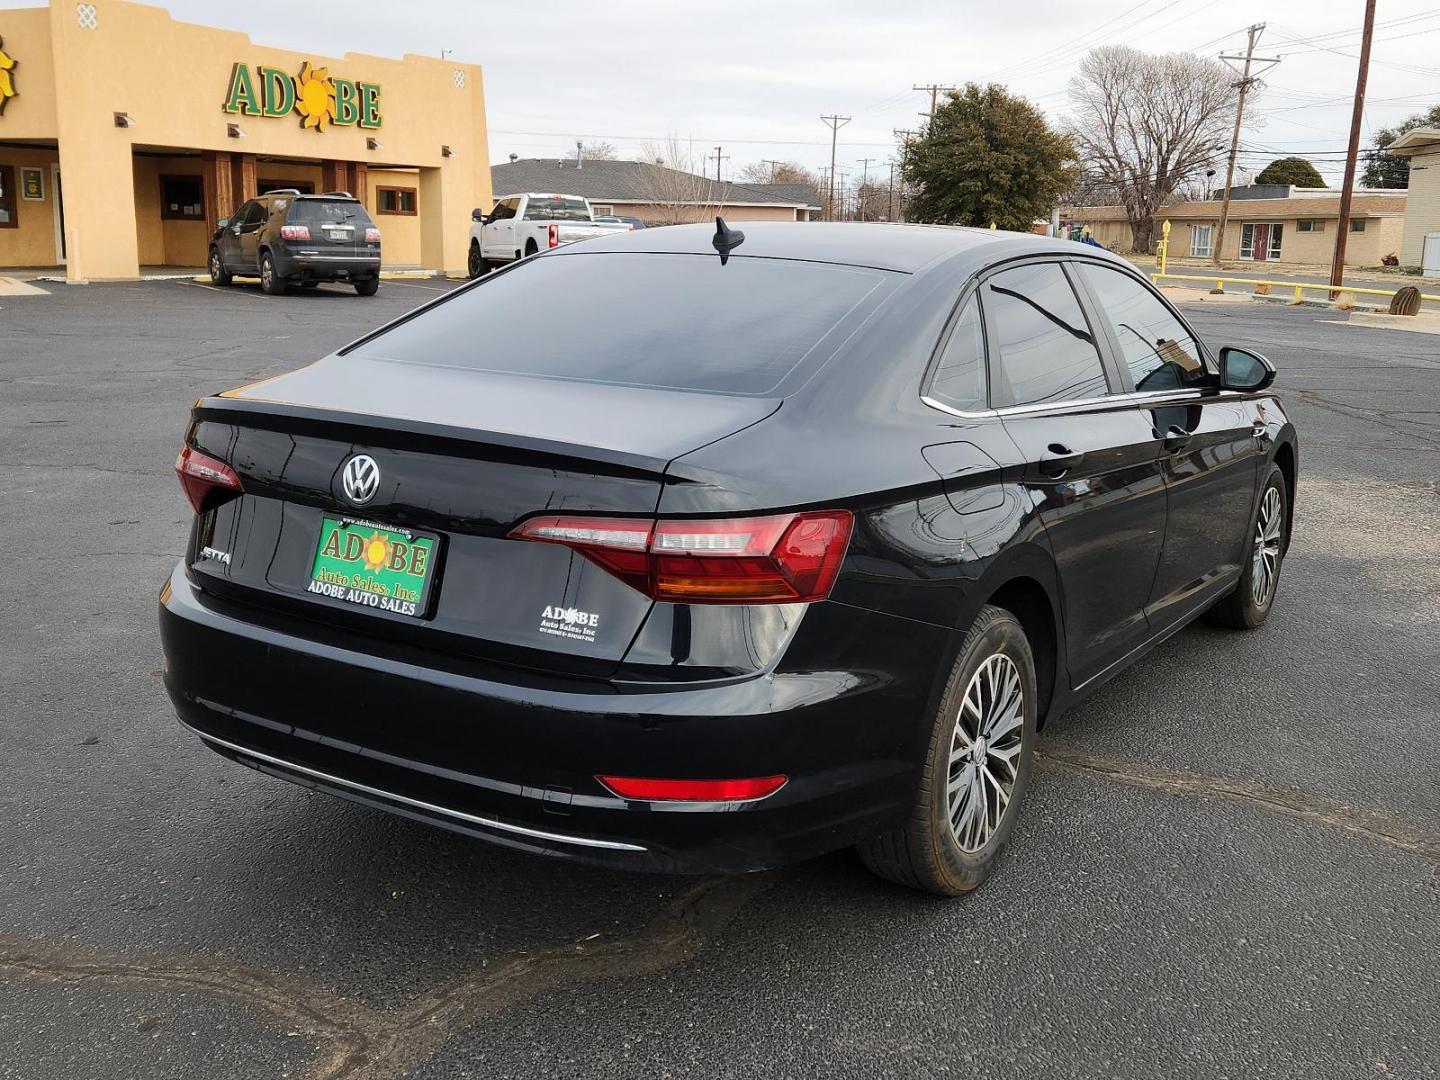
{"points": [[373, 566]]}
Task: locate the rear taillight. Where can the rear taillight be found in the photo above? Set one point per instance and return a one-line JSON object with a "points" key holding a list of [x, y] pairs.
{"points": [[206, 481], [779, 558], [295, 232], [372, 236], [554, 232], [654, 790]]}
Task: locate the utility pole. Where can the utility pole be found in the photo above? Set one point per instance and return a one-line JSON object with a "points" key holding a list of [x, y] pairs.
{"points": [[774, 167], [719, 157], [1246, 79], [864, 183], [890, 198], [835, 123], [1337, 267], [934, 89]]}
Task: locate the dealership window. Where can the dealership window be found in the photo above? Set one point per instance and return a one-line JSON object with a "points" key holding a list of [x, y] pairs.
{"points": [[8, 220], [601, 210], [1201, 238], [1267, 237], [1309, 225], [305, 187], [182, 198], [1357, 224], [395, 200]]}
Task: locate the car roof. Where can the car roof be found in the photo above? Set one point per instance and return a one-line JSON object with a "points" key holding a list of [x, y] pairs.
{"points": [[884, 245]]}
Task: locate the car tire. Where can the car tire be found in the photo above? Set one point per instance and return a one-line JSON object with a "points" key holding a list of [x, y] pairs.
{"points": [[270, 280], [531, 248], [218, 274], [1248, 605], [368, 286], [981, 733], [477, 265]]}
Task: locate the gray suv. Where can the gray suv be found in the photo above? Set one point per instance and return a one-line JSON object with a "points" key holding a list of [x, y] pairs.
{"points": [[285, 238]]}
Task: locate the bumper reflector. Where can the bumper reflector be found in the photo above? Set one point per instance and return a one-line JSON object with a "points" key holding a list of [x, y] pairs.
{"points": [[652, 790]]}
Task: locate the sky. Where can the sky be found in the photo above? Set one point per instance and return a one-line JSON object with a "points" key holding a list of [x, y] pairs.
{"points": [[756, 78]]}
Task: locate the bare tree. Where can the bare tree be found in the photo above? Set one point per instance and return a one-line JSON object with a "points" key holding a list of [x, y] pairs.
{"points": [[673, 185], [1143, 124], [598, 150], [778, 172]]}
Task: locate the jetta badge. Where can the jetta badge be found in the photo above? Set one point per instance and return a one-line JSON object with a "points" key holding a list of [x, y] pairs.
{"points": [[361, 479]]}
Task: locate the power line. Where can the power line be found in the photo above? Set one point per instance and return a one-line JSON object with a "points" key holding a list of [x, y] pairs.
{"points": [[934, 89]]}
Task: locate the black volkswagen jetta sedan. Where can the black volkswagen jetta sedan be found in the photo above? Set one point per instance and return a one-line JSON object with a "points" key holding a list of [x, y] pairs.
{"points": [[682, 550]]}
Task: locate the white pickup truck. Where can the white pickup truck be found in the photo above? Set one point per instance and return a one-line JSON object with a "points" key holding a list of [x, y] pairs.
{"points": [[521, 225]]}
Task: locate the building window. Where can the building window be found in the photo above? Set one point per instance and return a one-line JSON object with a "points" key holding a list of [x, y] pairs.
{"points": [[305, 187], [601, 210], [1357, 224], [8, 218], [395, 200], [182, 198], [1260, 242], [1309, 226], [1201, 237]]}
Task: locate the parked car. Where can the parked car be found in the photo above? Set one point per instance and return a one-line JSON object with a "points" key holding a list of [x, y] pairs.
{"points": [[521, 225], [802, 559], [633, 222], [285, 238]]}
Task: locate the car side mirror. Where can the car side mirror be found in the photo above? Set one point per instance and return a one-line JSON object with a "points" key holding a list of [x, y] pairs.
{"points": [[1241, 369], [479, 215], [223, 222]]}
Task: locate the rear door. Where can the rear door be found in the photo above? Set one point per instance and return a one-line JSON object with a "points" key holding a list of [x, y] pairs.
{"points": [[1211, 451], [247, 243], [1091, 460]]}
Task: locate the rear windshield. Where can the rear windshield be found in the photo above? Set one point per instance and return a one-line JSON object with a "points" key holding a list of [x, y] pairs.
{"points": [[680, 322], [328, 211], [556, 209]]}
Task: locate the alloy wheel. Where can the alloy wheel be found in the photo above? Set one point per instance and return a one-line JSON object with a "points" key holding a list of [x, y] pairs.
{"points": [[1265, 561], [985, 752], [214, 266], [267, 273]]}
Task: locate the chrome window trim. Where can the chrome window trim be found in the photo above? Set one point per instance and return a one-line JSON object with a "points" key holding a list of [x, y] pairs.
{"points": [[459, 815], [1119, 400]]}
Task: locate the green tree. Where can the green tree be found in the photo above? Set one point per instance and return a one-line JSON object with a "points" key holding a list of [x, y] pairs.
{"points": [[1381, 169], [1291, 170], [987, 156]]}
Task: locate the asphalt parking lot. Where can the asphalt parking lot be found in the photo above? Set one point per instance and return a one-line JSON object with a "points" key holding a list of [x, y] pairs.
{"points": [[1228, 866]]}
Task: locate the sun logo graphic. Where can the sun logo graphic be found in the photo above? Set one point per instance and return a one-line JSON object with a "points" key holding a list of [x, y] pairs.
{"points": [[7, 81], [376, 552], [315, 97]]}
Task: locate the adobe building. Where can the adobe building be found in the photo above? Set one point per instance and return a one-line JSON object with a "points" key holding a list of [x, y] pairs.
{"points": [[125, 136]]}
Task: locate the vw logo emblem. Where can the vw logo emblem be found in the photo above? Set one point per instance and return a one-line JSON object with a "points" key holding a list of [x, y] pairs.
{"points": [[361, 479]]}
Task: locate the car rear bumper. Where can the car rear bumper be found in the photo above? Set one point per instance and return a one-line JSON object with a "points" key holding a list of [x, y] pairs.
{"points": [[516, 764], [322, 267]]}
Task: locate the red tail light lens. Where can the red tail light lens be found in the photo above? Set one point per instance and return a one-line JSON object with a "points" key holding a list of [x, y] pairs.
{"points": [[650, 790], [295, 232], [780, 558], [372, 236], [554, 232], [206, 481]]}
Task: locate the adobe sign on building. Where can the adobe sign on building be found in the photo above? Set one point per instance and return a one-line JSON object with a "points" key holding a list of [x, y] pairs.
{"points": [[103, 173]]}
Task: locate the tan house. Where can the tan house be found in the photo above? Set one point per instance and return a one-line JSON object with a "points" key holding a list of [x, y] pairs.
{"points": [[1296, 228], [1420, 245], [655, 194], [126, 135]]}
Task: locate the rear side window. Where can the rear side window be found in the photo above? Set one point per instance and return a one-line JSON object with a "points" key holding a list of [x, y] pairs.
{"points": [[680, 322], [555, 208], [959, 380], [1155, 345], [328, 212], [1046, 350]]}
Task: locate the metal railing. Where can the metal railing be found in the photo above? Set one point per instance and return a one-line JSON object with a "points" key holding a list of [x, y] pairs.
{"points": [[1299, 287]]}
